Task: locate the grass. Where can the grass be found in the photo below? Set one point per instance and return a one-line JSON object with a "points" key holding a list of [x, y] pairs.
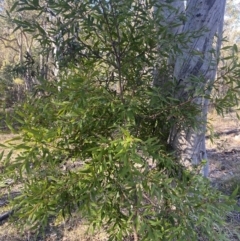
{"points": [[72, 230]]}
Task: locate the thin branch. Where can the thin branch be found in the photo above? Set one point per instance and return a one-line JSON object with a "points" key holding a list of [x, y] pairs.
{"points": [[8, 46], [6, 215], [8, 40], [26, 42]]}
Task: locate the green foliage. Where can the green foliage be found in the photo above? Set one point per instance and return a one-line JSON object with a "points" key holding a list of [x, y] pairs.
{"points": [[115, 175], [225, 94], [96, 140], [8, 95]]}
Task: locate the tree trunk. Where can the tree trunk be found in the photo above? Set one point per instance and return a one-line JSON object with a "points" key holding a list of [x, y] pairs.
{"points": [[205, 16], [171, 12]]}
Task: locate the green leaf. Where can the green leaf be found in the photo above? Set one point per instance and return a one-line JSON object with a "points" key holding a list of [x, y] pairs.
{"points": [[235, 48], [35, 3], [14, 7], [8, 158], [1, 155], [27, 8], [235, 192]]}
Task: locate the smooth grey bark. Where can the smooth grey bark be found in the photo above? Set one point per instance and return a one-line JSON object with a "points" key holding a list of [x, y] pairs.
{"points": [[169, 15], [199, 60], [170, 11]]}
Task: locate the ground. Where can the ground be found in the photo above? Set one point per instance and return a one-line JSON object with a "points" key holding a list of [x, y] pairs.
{"points": [[224, 162], [224, 157], [224, 151]]}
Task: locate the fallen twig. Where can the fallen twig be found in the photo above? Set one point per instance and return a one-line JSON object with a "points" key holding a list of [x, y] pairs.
{"points": [[6, 215], [235, 131]]}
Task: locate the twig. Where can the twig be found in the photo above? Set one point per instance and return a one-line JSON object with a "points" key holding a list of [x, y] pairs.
{"points": [[6, 215]]}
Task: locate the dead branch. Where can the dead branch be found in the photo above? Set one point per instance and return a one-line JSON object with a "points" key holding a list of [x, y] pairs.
{"points": [[6, 215]]}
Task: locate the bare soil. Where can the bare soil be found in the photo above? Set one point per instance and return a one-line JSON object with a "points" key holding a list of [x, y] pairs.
{"points": [[224, 163], [224, 151]]}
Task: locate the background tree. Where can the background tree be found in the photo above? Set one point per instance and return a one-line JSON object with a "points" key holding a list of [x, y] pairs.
{"points": [[18, 67], [224, 87], [195, 71]]}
